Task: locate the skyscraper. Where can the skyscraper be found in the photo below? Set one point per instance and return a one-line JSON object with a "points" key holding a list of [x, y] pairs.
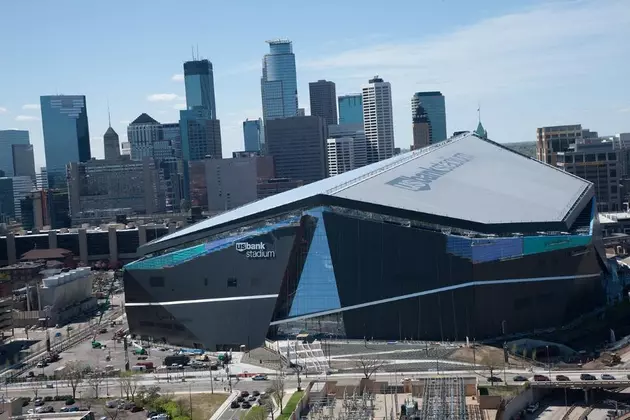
{"points": [[66, 135], [7, 139], [199, 81], [23, 160], [351, 109], [278, 84], [111, 142], [323, 96], [201, 134], [253, 135], [435, 109], [298, 147], [378, 120], [143, 134], [421, 129]]}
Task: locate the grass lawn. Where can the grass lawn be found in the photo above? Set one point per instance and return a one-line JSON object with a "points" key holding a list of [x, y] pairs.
{"points": [[505, 391], [290, 405], [204, 405]]}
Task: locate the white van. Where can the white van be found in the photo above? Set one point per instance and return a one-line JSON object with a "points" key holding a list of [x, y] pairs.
{"points": [[138, 368]]}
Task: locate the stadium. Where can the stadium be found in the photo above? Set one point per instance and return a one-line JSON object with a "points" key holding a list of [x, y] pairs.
{"points": [[464, 238]]}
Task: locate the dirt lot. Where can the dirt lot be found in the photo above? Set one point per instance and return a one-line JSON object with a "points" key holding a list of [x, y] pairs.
{"points": [[481, 353], [204, 405]]}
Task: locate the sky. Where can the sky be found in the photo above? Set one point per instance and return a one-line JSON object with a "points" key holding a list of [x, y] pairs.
{"points": [[525, 63]]}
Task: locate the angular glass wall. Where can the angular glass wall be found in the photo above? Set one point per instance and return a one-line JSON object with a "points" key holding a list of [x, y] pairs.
{"points": [[317, 288]]}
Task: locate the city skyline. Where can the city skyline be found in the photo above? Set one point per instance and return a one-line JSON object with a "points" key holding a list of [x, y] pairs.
{"points": [[515, 95]]}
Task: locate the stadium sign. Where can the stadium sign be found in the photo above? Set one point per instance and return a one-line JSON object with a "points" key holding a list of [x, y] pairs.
{"points": [[421, 180], [256, 251]]}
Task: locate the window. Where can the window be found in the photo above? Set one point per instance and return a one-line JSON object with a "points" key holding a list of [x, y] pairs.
{"points": [[156, 281], [232, 282], [612, 156], [613, 173], [613, 189]]}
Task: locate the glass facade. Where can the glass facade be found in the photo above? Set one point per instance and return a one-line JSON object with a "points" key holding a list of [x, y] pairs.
{"points": [[279, 81], [253, 135], [8, 138], [66, 134], [199, 81], [435, 108], [200, 135], [351, 109]]}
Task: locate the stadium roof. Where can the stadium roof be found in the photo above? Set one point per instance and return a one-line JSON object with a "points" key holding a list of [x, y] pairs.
{"points": [[465, 181]]}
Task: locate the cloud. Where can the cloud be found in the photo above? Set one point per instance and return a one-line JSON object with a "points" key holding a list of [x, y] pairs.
{"points": [[163, 97], [533, 48], [30, 107], [179, 106], [26, 118], [178, 77], [624, 110], [3, 110]]}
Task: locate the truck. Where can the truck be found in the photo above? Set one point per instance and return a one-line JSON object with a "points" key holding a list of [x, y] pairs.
{"points": [[176, 360], [148, 365]]}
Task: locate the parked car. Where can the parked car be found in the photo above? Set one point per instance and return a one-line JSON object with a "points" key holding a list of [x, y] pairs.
{"points": [[541, 378], [520, 378], [532, 407], [608, 377], [562, 378], [235, 404], [587, 377], [256, 393], [259, 378], [246, 405], [494, 379]]}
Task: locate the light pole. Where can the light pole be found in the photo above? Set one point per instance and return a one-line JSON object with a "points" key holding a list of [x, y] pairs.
{"points": [[548, 362]]}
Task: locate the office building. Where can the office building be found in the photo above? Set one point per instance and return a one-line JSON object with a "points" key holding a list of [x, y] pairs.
{"points": [[378, 120], [340, 155], [132, 187], [298, 146], [8, 138], [387, 251], [125, 147], [421, 129], [323, 96], [58, 208], [232, 182], [23, 160], [351, 109], [199, 81], [111, 144], [434, 106], [359, 145], [279, 81], [41, 179], [268, 187], [145, 136], [13, 190], [34, 210], [66, 135], [600, 163], [253, 135], [554, 139], [301, 112], [172, 136], [200, 135], [195, 187]]}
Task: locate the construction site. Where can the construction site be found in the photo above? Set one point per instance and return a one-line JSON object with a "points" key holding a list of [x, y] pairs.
{"points": [[428, 399]]}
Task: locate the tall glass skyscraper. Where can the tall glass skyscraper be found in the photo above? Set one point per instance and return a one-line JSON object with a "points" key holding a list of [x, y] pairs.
{"points": [[351, 109], [66, 135], [278, 84], [199, 81], [7, 139], [253, 135], [435, 109]]}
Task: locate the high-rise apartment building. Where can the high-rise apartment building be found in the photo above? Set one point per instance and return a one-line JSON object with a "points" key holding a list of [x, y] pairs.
{"points": [[23, 160], [279, 81], [601, 163], [340, 155], [323, 96], [123, 186], [7, 139], [554, 139], [144, 134], [66, 135], [200, 134], [378, 120], [253, 135], [351, 109], [298, 146], [434, 107], [111, 144], [199, 81], [421, 128], [359, 145]]}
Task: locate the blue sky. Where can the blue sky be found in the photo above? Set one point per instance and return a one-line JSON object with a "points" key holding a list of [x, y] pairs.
{"points": [[527, 62]]}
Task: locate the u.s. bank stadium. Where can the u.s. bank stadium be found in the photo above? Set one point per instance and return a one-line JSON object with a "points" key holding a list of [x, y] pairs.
{"points": [[464, 238]]}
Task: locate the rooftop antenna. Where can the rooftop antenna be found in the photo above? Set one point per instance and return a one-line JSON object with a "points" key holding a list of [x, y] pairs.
{"points": [[192, 50], [109, 114], [478, 112], [197, 51]]}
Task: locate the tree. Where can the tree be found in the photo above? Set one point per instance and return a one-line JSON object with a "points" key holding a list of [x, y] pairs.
{"points": [[492, 361], [75, 373], [184, 205], [128, 384], [369, 365], [276, 390], [94, 380], [149, 396]]}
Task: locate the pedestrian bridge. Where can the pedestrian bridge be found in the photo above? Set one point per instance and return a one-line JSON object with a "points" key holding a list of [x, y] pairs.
{"points": [[581, 384]]}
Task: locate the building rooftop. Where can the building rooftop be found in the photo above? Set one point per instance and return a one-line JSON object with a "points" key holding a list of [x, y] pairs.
{"points": [[466, 178], [144, 118]]}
